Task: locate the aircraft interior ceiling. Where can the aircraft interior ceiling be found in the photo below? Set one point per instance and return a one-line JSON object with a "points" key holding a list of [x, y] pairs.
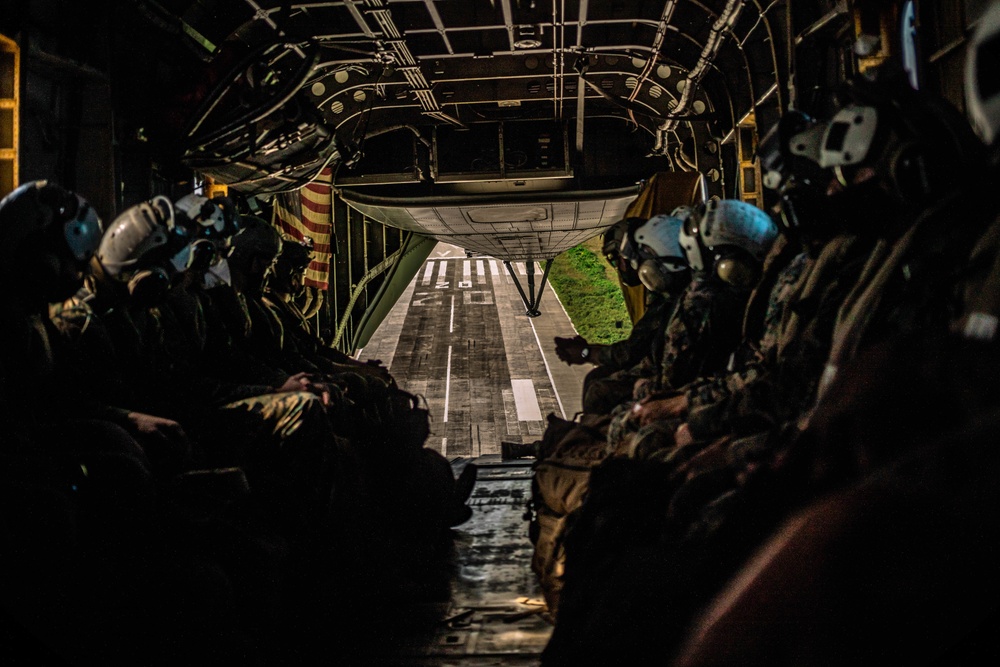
{"points": [[545, 104]]}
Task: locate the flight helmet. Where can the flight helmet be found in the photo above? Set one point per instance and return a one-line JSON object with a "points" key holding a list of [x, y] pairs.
{"points": [[917, 144], [731, 222], [145, 248], [35, 207], [211, 222], [660, 252], [689, 237], [738, 237], [611, 241], [290, 264], [256, 245], [47, 236], [297, 254], [785, 163], [215, 218], [627, 256]]}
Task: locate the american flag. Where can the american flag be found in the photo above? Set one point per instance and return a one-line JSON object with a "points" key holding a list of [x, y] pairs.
{"points": [[308, 212]]}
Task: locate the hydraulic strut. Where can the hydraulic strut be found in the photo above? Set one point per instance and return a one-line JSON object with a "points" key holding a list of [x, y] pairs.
{"points": [[530, 299]]}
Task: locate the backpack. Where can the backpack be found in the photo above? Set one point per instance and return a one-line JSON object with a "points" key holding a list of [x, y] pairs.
{"points": [[568, 452]]}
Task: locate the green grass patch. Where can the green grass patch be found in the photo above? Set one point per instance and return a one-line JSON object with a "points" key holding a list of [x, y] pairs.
{"points": [[589, 291]]}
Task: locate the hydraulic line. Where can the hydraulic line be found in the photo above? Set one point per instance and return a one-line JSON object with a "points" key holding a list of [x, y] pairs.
{"points": [[727, 19]]}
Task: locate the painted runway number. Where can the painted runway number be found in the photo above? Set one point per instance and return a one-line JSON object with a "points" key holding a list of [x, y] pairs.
{"points": [[426, 299]]}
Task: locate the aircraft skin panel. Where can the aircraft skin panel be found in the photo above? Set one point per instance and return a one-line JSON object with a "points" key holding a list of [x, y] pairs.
{"points": [[525, 232]]}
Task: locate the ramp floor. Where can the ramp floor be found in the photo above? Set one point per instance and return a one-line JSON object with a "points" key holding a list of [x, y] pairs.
{"points": [[496, 614]]}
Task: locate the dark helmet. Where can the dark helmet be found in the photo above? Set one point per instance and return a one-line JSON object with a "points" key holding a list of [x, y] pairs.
{"points": [[295, 254], [292, 261], [35, 207], [47, 236], [779, 161], [625, 257], [894, 151], [611, 241], [256, 239], [918, 144]]}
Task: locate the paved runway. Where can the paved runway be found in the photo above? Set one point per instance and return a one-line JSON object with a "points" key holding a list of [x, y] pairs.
{"points": [[459, 337]]}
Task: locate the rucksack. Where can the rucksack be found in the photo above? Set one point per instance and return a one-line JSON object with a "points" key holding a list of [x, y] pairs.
{"points": [[568, 452]]}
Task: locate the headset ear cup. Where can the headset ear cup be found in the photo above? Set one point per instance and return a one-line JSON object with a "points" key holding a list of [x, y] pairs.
{"points": [[149, 286], [737, 272]]}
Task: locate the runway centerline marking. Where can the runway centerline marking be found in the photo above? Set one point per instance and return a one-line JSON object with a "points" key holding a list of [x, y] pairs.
{"points": [[447, 386]]}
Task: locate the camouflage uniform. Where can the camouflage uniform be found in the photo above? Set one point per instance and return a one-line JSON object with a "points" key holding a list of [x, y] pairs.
{"points": [[780, 381], [627, 353], [979, 287], [705, 393], [702, 329], [621, 364], [701, 334], [231, 317], [278, 346], [412, 487], [303, 349], [920, 280], [152, 359], [67, 445], [92, 370], [692, 497], [297, 341], [282, 440]]}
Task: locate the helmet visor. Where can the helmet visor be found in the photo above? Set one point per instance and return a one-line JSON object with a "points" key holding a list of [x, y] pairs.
{"points": [[691, 244], [83, 232]]}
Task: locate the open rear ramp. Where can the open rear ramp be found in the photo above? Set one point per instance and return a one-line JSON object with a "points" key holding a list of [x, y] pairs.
{"points": [[495, 614]]}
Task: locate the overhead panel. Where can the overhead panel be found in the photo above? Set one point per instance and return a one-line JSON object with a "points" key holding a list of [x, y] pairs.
{"points": [[471, 99], [518, 230]]}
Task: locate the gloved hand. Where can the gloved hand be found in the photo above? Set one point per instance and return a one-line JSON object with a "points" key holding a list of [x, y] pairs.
{"points": [[570, 350]]}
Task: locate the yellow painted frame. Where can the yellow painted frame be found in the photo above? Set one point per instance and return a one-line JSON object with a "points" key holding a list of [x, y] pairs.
{"points": [[8, 45]]}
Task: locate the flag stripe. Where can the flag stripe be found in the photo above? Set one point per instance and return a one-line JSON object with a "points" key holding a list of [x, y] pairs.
{"points": [[312, 219], [321, 247], [311, 225], [314, 206]]}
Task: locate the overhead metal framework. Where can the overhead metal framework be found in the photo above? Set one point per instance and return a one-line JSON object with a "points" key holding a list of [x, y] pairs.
{"points": [[424, 99]]}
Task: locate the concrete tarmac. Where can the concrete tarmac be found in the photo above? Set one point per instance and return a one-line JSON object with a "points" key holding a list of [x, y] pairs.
{"points": [[459, 336]]}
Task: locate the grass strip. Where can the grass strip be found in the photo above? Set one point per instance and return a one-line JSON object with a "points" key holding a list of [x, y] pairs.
{"points": [[589, 291]]}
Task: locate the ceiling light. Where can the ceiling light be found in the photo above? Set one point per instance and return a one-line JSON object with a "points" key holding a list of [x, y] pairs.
{"points": [[527, 44]]}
